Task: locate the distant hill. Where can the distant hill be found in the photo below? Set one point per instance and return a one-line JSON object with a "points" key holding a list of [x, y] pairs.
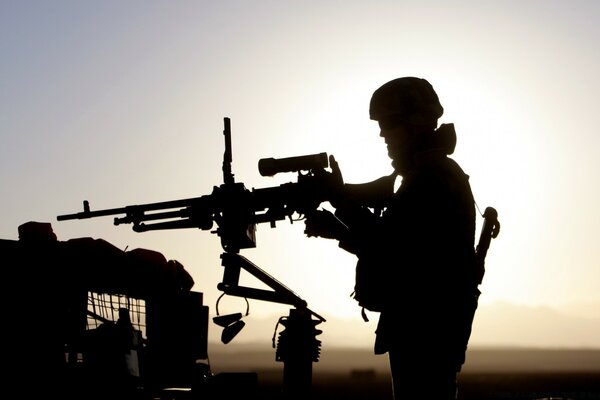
{"points": [[252, 357], [505, 338], [496, 324], [503, 324]]}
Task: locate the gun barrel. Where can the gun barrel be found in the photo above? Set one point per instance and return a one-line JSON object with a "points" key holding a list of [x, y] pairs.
{"points": [[137, 213], [86, 213]]}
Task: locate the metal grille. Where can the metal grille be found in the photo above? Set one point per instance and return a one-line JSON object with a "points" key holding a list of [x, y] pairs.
{"points": [[104, 307]]}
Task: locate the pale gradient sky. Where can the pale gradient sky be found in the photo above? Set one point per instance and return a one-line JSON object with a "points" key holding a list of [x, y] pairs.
{"points": [[123, 103]]}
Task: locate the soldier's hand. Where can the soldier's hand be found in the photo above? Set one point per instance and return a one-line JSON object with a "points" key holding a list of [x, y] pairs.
{"points": [[336, 172], [333, 183], [322, 223]]}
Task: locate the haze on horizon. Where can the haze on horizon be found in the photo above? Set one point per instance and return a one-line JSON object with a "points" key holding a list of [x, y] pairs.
{"points": [[123, 103]]}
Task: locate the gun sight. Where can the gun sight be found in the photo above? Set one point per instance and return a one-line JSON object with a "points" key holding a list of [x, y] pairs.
{"points": [[271, 166]]}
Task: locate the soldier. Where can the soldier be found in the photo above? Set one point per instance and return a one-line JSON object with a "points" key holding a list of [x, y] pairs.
{"points": [[416, 261]]}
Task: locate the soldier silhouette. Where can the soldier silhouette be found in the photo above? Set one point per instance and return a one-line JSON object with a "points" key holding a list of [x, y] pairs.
{"points": [[416, 259]]}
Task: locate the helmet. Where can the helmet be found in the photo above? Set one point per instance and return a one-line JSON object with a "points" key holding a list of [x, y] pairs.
{"points": [[409, 99]]}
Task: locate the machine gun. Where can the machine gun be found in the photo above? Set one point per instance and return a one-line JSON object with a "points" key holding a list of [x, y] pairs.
{"points": [[236, 211]]}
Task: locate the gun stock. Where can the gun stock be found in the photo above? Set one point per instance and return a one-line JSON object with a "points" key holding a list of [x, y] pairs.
{"points": [[489, 231]]}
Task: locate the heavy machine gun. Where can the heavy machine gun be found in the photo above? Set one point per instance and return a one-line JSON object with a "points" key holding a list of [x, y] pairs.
{"points": [[236, 210]]}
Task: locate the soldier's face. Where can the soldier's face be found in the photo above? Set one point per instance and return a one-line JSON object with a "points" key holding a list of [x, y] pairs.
{"points": [[400, 140]]}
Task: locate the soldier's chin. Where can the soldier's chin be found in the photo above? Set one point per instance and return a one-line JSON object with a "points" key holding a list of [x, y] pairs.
{"points": [[391, 154], [398, 166]]}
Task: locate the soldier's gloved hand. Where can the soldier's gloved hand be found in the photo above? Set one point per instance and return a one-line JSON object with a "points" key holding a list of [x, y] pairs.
{"points": [[337, 183], [332, 183], [322, 223]]}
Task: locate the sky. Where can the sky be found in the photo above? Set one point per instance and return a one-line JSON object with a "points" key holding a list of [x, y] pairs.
{"points": [[123, 103]]}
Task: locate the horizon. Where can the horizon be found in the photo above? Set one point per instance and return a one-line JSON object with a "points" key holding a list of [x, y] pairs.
{"points": [[572, 331], [478, 359]]}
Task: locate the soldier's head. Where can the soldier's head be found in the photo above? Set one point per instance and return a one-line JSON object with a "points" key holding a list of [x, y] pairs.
{"points": [[407, 110]]}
